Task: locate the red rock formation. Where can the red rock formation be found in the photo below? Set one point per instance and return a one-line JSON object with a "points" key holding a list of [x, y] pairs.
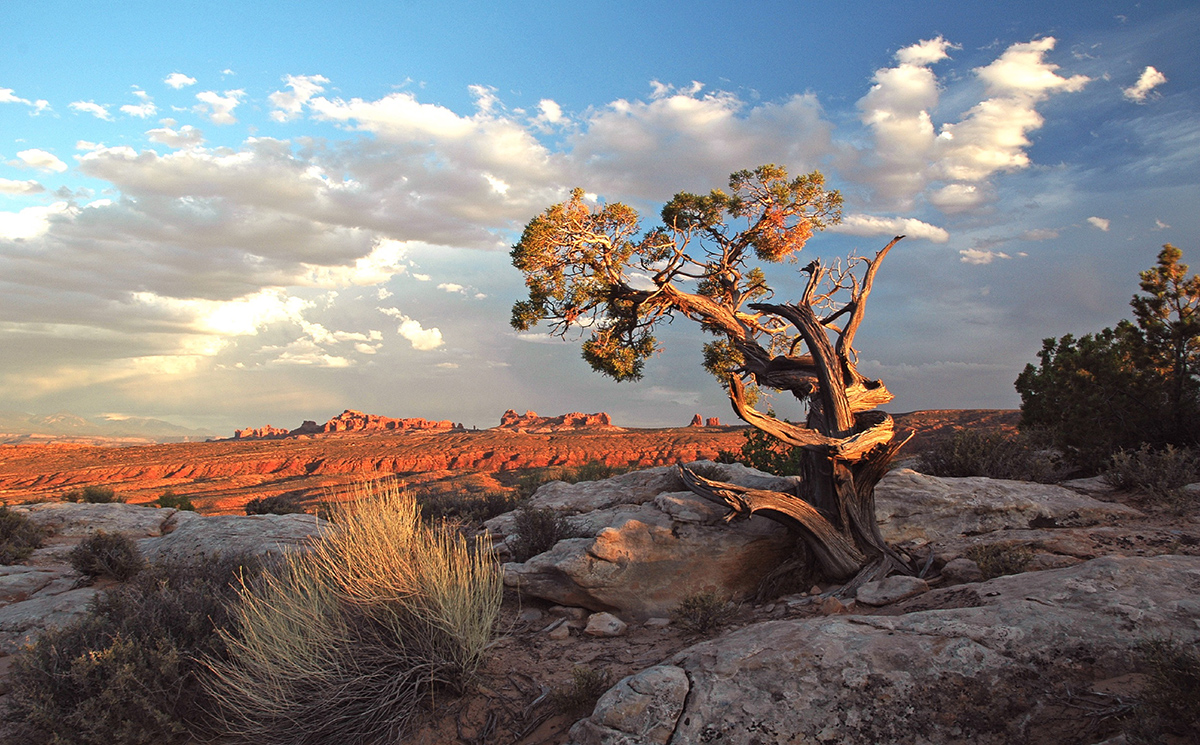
{"points": [[713, 422], [531, 422], [697, 421], [356, 421], [348, 421], [260, 433]]}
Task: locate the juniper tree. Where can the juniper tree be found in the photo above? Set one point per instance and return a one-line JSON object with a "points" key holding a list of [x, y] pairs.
{"points": [[591, 268]]}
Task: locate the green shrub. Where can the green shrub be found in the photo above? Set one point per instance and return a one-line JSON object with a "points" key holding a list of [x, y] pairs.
{"points": [[345, 644], [1170, 704], [128, 672], [995, 455], [536, 531], [703, 612], [111, 555], [1158, 473], [19, 536], [587, 686], [766, 453], [94, 494], [997, 559], [276, 505], [466, 506], [174, 501]]}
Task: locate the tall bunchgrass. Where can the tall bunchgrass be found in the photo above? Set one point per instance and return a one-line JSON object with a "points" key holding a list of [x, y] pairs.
{"points": [[347, 642]]}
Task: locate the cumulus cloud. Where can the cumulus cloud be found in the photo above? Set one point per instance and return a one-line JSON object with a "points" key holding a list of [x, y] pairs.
{"points": [[39, 159], [143, 110], [871, 225], [8, 186], [178, 80], [1147, 82], [952, 165], [7, 95], [290, 104], [100, 111], [422, 339], [981, 256], [1100, 222], [219, 108], [451, 287], [186, 136], [31, 222], [549, 112]]}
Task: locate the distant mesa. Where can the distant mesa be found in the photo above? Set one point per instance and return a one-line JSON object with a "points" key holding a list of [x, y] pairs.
{"points": [[531, 422], [698, 421], [348, 421]]}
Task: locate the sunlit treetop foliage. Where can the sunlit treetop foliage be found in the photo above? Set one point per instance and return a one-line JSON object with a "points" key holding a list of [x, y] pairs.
{"points": [[590, 266]]}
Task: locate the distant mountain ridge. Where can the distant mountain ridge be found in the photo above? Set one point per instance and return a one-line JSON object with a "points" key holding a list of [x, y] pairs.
{"points": [[64, 424]]}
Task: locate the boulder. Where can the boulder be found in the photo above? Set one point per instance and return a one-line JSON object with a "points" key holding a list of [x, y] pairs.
{"points": [[984, 673], [645, 546], [960, 570], [914, 507], [605, 624]]}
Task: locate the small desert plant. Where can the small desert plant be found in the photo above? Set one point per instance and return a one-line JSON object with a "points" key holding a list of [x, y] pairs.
{"points": [[19, 536], [466, 506], [111, 555], [172, 500], [1158, 473], [703, 612], [128, 670], [94, 494], [1170, 704], [995, 455], [997, 559], [537, 530], [587, 686], [766, 453], [594, 470], [345, 643], [276, 505]]}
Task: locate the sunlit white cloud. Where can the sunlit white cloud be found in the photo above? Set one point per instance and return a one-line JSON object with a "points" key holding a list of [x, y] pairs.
{"points": [[100, 111], [1146, 82], [31, 222], [178, 80], [907, 226], [289, 105], [39, 159], [421, 338], [219, 108], [1100, 222], [7, 95], [186, 136], [450, 287], [143, 110], [8, 186], [981, 256]]}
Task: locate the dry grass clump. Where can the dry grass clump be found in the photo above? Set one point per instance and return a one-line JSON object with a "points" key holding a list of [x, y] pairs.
{"points": [[587, 686], [997, 559], [112, 555], [345, 643], [19, 536], [703, 612]]}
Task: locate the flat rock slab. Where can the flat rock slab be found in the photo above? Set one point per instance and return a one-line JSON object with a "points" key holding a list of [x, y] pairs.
{"points": [[891, 590], [870, 679], [914, 507], [228, 535], [71, 519], [21, 622]]}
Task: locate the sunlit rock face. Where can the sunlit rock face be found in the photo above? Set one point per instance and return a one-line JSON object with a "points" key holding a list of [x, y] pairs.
{"points": [[531, 422]]}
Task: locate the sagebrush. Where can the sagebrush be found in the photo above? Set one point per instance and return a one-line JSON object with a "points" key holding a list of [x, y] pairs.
{"points": [[19, 536], [128, 672], [999, 559], [347, 642], [112, 555], [993, 454], [537, 530], [703, 612], [1159, 472], [587, 686]]}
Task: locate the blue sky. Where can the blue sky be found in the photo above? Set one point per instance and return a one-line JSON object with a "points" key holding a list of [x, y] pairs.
{"points": [[228, 214]]}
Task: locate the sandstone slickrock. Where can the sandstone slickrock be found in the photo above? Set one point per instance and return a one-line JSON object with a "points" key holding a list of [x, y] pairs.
{"points": [[982, 674], [961, 570], [895, 588], [70, 519], [233, 534], [915, 507]]}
